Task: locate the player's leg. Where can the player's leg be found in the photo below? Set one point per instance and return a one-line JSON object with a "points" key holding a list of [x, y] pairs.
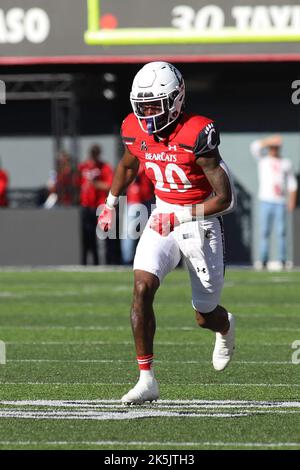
{"points": [[143, 328], [216, 320], [222, 323], [203, 249], [155, 257], [142, 313]]}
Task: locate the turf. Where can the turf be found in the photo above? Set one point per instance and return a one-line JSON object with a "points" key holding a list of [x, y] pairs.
{"points": [[70, 357]]}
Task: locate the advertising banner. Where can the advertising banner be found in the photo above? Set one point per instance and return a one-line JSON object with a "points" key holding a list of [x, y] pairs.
{"points": [[87, 31]]}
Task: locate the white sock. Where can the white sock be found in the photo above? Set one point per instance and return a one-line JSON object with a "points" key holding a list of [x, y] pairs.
{"points": [[146, 375]]}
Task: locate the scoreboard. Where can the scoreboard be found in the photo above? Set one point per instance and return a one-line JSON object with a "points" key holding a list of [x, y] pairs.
{"points": [[87, 31]]}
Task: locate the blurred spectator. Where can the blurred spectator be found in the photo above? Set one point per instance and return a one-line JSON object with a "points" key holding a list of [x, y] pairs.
{"points": [[138, 192], [95, 178], [277, 194], [66, 181], [4, 181], [62, 183]]}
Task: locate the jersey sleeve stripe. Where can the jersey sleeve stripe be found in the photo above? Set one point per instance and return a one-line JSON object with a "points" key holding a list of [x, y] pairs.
{"points": [[186, 147]]}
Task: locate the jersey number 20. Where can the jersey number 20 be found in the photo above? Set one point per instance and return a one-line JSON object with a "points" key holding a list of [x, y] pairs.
{"points": [[169, 179]]}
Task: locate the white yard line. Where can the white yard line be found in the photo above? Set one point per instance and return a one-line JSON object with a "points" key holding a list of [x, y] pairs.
{"points": [[197, 384], [112, 415], [125, 343], [129, 415], [153, 443], [114, 410], [126, 328], [110, 361], [193, 403], [67, 343]]}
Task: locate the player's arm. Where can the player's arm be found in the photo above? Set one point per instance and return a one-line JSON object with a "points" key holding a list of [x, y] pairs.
{"points": [[217, 176], [126, 166], [125, 173], [208, 158], [292, 187], [271, 141]]}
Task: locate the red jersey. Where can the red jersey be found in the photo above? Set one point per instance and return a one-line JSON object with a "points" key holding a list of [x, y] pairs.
{"points": [[171, 163], [66, 185], [90, 173]]}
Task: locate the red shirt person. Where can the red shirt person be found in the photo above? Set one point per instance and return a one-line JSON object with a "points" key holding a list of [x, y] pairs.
{"points": [[4, 181], [66, 180], [63, 183], [95, 178]]}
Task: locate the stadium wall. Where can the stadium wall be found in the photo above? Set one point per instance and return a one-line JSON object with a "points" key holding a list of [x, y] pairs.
{"points": [[37, 237], [30, 160], [21, 155]]}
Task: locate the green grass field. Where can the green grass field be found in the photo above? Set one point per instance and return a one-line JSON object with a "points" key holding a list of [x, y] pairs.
{"points": [[70, 357]]}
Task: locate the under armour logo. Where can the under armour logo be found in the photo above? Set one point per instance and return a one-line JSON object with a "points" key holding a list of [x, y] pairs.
{"points": [[203, 270], [172, 147], [144, 146], [210, 131]]}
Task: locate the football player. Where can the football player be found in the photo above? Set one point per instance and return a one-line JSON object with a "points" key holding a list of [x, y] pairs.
{"points": [[193, 190]]}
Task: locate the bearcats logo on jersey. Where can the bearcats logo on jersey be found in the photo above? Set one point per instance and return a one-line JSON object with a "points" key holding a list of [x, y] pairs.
{"points": [[171, 163], [207, 140], [212, 140]]}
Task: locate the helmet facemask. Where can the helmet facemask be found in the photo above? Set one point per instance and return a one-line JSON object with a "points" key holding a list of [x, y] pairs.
{"points": [[151, 113]]}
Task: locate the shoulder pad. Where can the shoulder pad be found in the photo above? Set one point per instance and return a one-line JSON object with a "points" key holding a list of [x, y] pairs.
{"points": [[128, 129], [208, 139]]}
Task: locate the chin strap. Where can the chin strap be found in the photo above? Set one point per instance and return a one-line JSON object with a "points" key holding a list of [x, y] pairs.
{"points": [[150, 126]]}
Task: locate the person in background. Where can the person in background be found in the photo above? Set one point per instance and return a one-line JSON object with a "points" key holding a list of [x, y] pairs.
{"points": [[95, 178], [66, 181], [277, 195], [62, 184], [141, 191], [4, 182]]}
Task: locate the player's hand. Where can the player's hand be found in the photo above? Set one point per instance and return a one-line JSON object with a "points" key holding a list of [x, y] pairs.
{"points": [[163, 223], [105, 219]]}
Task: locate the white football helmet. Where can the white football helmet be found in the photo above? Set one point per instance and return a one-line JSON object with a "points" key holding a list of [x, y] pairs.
{"points": [[157, 96]]}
